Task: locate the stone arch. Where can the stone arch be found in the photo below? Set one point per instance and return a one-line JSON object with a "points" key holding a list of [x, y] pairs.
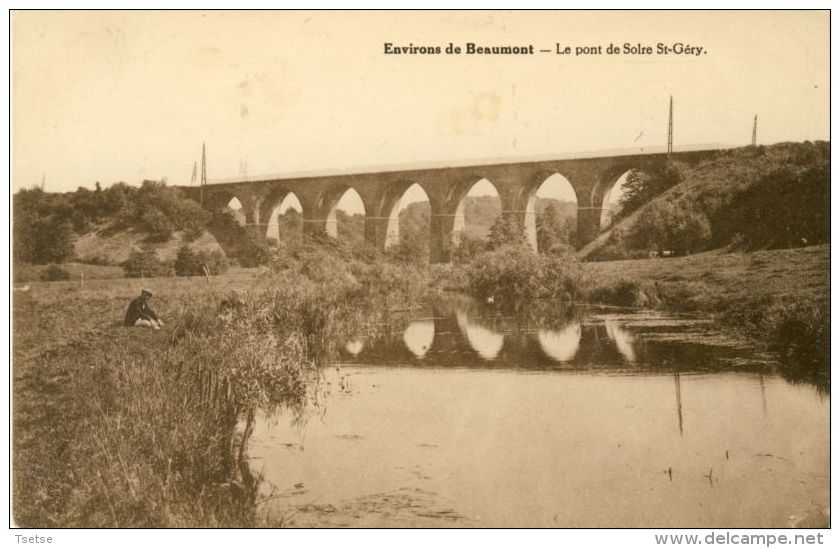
{"points": [[276, 219], [389, 207], [611, 195], [607, 179], [220, 201], [457, 198], [327, 205], [563, 190]]}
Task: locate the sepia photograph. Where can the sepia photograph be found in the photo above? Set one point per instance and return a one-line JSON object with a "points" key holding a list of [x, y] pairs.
{"points": [[421, 269]]}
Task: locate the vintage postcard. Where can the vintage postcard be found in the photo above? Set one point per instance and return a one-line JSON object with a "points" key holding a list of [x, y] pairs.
{"points": [[430, 269]]}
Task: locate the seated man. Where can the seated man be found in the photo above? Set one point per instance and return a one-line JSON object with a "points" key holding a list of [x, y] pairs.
{"points": [[140, 314]]}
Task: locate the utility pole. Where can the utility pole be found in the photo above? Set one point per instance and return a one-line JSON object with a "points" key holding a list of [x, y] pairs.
{"points": [[203, 173], [670, 127], [755, 127]]}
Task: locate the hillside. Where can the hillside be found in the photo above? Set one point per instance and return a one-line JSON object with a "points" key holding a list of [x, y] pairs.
{"points": [[743, 199], [101, 246]]}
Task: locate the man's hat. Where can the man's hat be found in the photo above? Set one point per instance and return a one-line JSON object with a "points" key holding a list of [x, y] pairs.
{"points": [[145, 291]]}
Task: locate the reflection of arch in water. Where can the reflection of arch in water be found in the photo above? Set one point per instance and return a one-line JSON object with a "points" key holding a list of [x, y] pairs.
{"points": [[419, 336], [562, 345], [354, 347], [485, 342], [622, 338]]}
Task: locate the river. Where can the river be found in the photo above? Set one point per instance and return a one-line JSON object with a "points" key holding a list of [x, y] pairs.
{"points": [[465, 417]]}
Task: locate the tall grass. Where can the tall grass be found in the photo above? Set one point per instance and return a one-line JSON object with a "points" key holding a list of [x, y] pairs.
{"points": [[156, 425], [797, 331], [119, 427]]}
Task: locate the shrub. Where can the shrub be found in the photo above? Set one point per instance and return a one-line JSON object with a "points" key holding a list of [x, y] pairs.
{"points": [[54, 273], [466, 249], [513, 275], [411, 249], [505, 231], [145, 264], [671, 225], [629, 293], [187, 262], [191, 263], [157, 224], [801, 333], [216, 261]]}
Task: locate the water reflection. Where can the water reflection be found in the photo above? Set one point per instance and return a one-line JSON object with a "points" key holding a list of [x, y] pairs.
{"points": [[354, 347], [647, 408], [418, 337], [485, 342], [562, 345], [471, 335], [622, 339]]}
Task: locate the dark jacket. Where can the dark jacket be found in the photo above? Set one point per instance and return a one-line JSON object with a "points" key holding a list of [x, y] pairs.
{"points": [[139, 308]]}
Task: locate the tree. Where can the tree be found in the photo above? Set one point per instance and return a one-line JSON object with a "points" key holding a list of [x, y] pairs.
{"points": [[186, 262], [642, 185], [553, 232], [677, 226], [145, 264], [411, 249], [42, 229], [505, 231]]}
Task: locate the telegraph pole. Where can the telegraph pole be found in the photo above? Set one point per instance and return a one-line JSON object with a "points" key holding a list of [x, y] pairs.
{"points": [[203, 173], [755, 127], [670, 127]]}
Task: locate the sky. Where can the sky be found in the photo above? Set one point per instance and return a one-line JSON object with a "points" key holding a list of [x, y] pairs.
{"points": [[127, 96]]}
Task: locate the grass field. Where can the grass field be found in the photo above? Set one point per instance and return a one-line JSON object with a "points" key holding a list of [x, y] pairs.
{"points": [[706, 281]]}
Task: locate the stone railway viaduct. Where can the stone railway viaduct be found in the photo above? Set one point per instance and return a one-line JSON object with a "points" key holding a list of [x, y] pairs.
{"points": [[516, 183]]}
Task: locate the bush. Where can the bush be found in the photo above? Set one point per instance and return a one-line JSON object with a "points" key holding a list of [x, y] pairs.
{"points": [[191, 263], [187, 263], [671, 225], [628, 293], [411, 249], [466, 249], [514, 275], [145, 264], [799, 333], [54, 273], [216, 261], [157, 224]]}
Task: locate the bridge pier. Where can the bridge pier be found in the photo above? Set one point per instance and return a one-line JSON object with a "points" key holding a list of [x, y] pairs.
{"points": [[261, 231], [440, 236], [588, 225]]}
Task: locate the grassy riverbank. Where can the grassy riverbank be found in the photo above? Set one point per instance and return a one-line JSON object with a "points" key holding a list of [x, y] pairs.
{"points": [[780, 297], [117, 427], [142, 428]]}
